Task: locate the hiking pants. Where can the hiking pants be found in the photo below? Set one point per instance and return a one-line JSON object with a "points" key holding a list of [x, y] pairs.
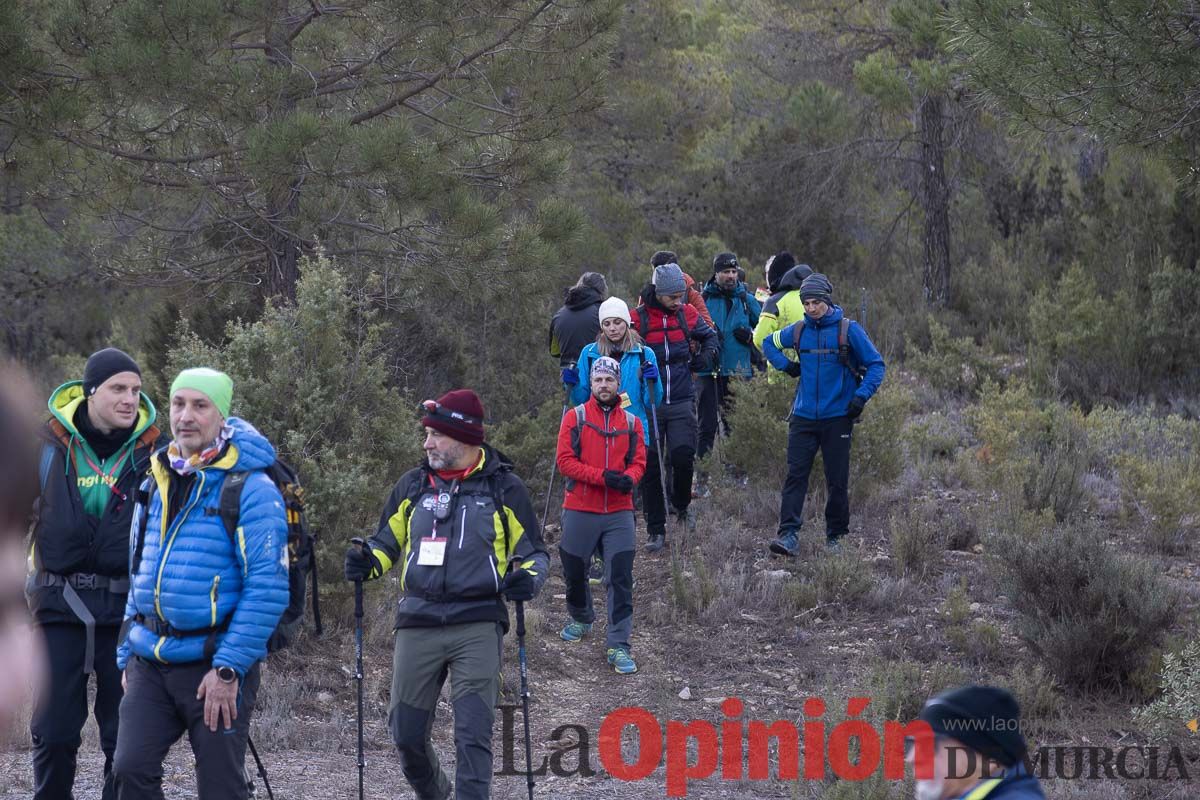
{"points": [[62, 708], [805, 437], [470, 654], [582, 533], [677, 430], [715, 401], [160, 705]]}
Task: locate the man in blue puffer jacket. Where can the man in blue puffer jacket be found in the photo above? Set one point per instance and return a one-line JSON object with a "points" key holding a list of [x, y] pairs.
{"points": [[829, 398], [202, 603]]}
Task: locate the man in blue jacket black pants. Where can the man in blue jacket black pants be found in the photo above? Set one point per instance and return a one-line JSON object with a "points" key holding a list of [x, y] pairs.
{"points": [[203, 601], [832, 355]]}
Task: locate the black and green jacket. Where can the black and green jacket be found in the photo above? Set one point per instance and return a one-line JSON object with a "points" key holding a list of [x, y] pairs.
{"points": [[83, 516], [491, 523]]}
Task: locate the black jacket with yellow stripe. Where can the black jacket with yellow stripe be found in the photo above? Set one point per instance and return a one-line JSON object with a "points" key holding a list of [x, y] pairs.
{"points": [[490, 524]]}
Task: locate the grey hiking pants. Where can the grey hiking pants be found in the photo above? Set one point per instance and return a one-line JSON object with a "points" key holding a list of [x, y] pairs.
{"points": [[470, 654], [582, 533]]}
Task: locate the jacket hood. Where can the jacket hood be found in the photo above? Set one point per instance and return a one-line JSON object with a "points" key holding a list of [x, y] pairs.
{"points": [[794, 277], [66, 399], [832, 317], [649, 298], [578, 297], [713, 289]]}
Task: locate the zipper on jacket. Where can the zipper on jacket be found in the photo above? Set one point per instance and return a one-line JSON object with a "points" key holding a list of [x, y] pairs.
{"points": [[666, 359], [212, 597], [607, 430], [162, 562]]}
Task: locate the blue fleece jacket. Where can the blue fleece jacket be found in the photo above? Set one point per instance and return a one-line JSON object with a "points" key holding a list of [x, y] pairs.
{"points": [[826, 386], [192, 576]]}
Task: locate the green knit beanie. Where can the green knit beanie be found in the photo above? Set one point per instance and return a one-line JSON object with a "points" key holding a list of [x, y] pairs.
{"points": [[216, 385]]}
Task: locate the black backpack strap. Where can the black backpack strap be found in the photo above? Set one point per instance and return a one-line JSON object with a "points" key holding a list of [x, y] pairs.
{"points": [[683, 326], [230, 505], [142, 500], [643, 324]]}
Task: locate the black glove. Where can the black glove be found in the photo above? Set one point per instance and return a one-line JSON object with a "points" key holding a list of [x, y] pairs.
{"points": [[743, 335], [856, 407], [618, 481], [793, 369], [361, 562], [518, 584]]}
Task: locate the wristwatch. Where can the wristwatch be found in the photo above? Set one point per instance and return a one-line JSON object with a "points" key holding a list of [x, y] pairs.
{"points": [[226, 674]]}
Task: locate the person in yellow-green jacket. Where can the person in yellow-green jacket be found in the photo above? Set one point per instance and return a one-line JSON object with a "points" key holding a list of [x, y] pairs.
{"points": [[95, 449], [462, 531], [784, 306]]}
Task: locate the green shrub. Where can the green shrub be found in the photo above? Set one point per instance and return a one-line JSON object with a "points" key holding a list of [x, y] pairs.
{"points": [[1092, 615], [1041, 704], [841, 578], [955, 365], [1035, 453], [917, 541], [530, 441], [877, 457], [760, 415], [899, 689], [1164, 493], [1070, 325], [313, 376], [935, 435], [1115, 432], [1179, 702]]}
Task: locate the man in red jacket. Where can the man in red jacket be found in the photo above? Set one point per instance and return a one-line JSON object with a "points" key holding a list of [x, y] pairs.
{"points": [[602, 455]]}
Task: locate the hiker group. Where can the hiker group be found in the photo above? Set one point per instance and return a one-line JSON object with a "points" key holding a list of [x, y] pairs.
{"points": [[168, 566]]}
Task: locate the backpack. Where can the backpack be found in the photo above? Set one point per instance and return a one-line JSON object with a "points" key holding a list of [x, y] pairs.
{"points": [[643, 326], [301, 544], [577, 435], [844, 353]]}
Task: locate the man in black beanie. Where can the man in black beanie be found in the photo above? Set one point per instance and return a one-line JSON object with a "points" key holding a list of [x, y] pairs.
{"points": [[978, 750], [95, 448]]}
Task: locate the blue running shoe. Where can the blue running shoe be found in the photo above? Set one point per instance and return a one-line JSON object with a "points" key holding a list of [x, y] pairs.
{"points": [[574, 631], [621, 661]]}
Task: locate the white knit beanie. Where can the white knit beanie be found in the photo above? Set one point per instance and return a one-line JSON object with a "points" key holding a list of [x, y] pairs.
{"points": [[615, 307]]}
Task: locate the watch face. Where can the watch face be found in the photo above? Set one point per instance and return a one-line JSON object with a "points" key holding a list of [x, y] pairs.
{"points": [[226, 674]]}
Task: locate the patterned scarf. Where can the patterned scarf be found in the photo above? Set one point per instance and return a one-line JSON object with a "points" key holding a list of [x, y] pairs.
{"points": [[188, 465]]}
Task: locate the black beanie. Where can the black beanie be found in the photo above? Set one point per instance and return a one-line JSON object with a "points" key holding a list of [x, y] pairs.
{"points": [[778, 266], [724, 261], [103, 364], [663, 257], [817, 287], [986, 719]]}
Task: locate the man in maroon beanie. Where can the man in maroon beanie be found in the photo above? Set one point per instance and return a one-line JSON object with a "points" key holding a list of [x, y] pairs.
{"points": [[462, 530]]}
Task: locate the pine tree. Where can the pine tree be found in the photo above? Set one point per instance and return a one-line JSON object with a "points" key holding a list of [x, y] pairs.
{"points": [[222, 139]]}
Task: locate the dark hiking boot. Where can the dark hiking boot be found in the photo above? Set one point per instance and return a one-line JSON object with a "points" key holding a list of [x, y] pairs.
{"points": [[788, 544], [657, 540]]}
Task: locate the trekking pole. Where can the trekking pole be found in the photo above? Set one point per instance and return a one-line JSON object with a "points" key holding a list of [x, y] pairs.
{"points": [[358, 666], [524, 663], [554, 459], [662, 470], [262, 771]]}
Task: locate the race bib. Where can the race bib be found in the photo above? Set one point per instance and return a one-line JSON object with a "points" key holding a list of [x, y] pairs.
{"points": [[432, 552]]}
